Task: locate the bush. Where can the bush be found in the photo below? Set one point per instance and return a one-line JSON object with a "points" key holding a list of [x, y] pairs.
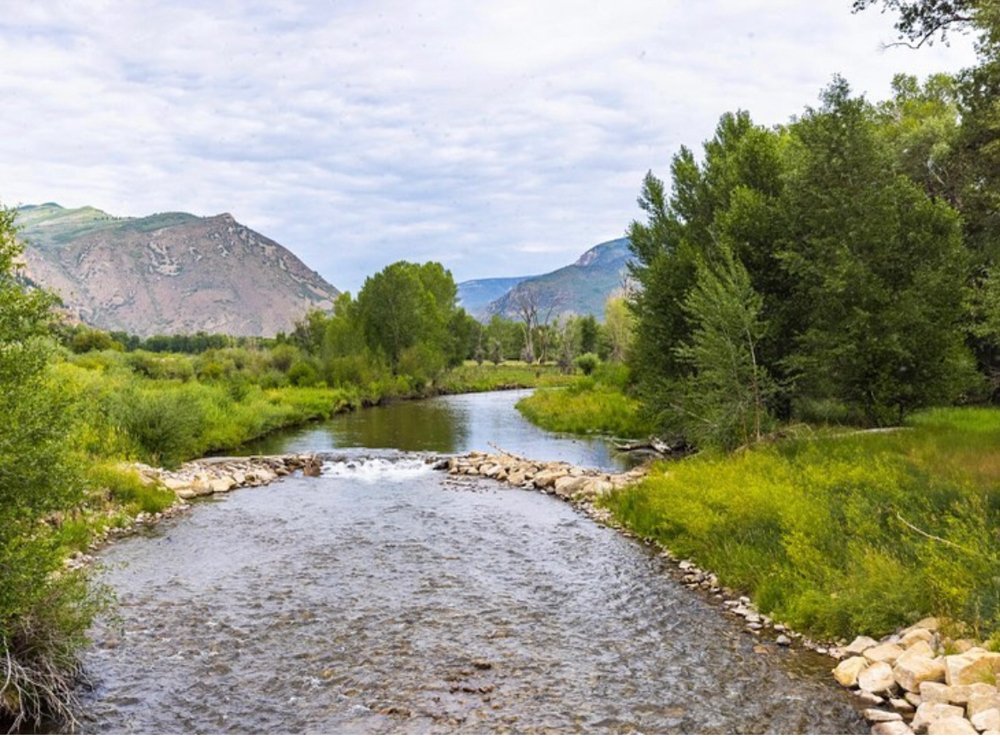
{"points": [[588, 362], [165, 424], [303, 374]]}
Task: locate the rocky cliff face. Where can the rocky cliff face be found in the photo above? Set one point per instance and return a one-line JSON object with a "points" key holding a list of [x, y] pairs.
{"points": [[581, 288], [170, 273]]}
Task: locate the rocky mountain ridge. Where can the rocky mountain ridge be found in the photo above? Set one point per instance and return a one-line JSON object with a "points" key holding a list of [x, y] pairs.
{"points": [[169, 273]]}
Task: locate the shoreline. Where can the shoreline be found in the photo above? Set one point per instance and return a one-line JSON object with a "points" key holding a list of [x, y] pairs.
{"points": [[918, 680]]}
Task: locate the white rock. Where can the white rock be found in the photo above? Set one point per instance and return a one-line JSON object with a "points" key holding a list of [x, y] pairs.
{"points": [[974, 666], [877, 678], [961, 695], [860, 644], [880, 715], [846, 672], [884, 653], [951, 726], [912, 669], [931, 711], [918, 634], [934, 691], [981, 703], [891, 728], [987, 721]]}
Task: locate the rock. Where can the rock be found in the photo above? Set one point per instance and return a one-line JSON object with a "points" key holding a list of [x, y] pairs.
{"points": [[962, 695], [569, 485], [185, 493], [597, 487], [859, 645], [784, 640], [847, 671], [880, 715], [931, 711], [982, 703], [548, 476], [201, 485], [987, 721], [892, 728], [313, 468], [951, 726], [973, 666], [223, 484], [930, 623], [917, 665], [516, 478], [934, 691], [914, 698], [868, 697], [916, 635], [884, 653], [901, 705], [877, 678]]}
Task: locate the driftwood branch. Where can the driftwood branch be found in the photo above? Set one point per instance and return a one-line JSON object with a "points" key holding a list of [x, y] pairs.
{"points": [[934, 537]]}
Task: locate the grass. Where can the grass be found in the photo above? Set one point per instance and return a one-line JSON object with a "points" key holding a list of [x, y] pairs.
{"points": [[472, 378], [594, 404], [843, 534]]}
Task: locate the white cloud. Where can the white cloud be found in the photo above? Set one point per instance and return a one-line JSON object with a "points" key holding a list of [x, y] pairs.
{"points": [[501, 138]]}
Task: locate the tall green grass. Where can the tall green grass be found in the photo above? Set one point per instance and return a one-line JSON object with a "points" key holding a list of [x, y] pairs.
{"points": [[846, 534], [591, 404]]}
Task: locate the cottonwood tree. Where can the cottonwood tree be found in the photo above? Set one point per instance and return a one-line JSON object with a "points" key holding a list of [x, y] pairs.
{"points": [[534, 308]]}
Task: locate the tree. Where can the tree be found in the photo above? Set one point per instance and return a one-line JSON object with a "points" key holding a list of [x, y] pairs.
{"points": [[618, 328], [722, 400], [534, 308], [878, 270], [43, 614], [919, 22]]}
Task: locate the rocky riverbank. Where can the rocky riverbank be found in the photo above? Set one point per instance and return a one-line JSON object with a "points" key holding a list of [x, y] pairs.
{"points": [[204, 477], [916, 681]]}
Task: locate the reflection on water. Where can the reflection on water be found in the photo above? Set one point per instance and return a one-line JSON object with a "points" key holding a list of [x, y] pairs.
{"points": [[444, 424], [402, 602]]}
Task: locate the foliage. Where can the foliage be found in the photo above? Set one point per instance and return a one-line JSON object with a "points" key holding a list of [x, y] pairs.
{"points": [[722, 400], [588, 363], [594, 404], [837, 534], [42, 618]]}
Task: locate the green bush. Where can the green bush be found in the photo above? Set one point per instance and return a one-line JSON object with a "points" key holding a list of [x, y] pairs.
{"points": [[588, 362], [164, 423]]}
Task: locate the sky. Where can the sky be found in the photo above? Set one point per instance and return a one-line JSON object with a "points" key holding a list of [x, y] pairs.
{"points": [[499, 138]]}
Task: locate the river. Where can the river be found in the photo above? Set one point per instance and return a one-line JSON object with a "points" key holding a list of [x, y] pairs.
{"points": [[385, 597]]}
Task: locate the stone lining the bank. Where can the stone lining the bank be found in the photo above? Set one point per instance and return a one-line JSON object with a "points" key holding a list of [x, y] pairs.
{"points": [[917, 681], [204, 477]]}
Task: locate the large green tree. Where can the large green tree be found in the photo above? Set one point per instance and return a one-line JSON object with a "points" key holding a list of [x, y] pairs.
{"points": [[42, 613]]}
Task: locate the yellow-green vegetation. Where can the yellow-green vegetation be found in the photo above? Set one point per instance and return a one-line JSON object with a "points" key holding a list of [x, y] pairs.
{"points": [[590, 404], [843, 533], [472, 377]]}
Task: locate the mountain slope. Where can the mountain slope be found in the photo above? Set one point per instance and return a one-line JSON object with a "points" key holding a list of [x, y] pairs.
{"points": [[475, 296], [169, 273], [581, 288]]}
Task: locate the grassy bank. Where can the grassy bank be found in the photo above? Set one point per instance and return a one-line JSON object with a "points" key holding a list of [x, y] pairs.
{"points": [[843, 534], [591, 404]]}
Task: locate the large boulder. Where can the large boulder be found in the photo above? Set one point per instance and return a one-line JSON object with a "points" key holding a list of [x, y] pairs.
{"points": [[974, 666], [951, 726], [877, 678], [860, 644], [891, 728], [986, 721], [570, 485], [930, 712], [917, 664], [884, 653], [846, 672]]}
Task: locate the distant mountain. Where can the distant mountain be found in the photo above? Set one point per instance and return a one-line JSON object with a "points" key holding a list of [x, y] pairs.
{"points": [[475, 296], [581, 288], [169, 273]]}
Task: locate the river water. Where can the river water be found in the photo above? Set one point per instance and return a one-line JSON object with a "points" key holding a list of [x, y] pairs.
{"points": [[384, 597]]}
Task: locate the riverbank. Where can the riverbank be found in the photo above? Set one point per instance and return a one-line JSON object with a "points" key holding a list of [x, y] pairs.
{"points": [[922, 678]]}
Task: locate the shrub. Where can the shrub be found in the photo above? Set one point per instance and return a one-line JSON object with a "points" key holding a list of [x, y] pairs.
{"points": [[588, 362]]}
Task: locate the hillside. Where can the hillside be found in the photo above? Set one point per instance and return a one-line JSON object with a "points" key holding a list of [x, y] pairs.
{"points": [[581, 288], [475, 296], [169, 273]]}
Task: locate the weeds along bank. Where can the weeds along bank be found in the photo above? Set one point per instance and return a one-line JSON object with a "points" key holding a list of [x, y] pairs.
{"points": [[844, 533]]}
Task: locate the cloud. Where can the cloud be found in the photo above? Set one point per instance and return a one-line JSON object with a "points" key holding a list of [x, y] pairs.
{"points": [[499, 138]]}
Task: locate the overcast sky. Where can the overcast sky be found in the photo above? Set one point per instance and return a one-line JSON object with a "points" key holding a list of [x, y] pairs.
{"points": [[500, 138]]}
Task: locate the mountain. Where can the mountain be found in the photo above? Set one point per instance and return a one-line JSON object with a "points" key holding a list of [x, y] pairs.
{"points": [[475, 296], [581, 288], [169, 273]]}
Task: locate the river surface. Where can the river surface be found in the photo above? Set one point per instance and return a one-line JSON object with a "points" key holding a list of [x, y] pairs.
{"points": [[384, 597]]}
